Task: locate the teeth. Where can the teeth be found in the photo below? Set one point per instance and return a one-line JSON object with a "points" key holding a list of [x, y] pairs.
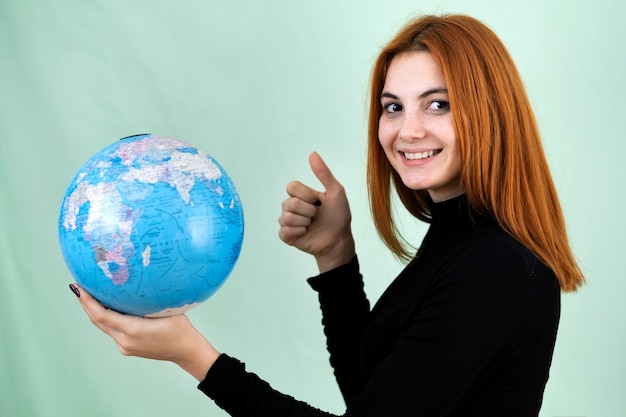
{"points": [[419, 155]]}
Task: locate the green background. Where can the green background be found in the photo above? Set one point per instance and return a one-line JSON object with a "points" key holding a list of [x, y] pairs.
{"points": [[259, 85]]}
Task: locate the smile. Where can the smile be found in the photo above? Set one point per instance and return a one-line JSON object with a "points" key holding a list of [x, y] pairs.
{"points": [[420, 155]]}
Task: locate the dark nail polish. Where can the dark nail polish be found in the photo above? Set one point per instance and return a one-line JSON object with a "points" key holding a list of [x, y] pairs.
{"points": [[317, 203], [75, 290]]}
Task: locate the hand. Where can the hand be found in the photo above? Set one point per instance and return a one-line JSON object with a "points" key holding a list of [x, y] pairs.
{"points": [[169, 338], [318, 222]]}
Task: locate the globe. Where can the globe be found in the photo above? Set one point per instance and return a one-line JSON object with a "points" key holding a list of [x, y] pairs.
{"points": [[151, 226]]}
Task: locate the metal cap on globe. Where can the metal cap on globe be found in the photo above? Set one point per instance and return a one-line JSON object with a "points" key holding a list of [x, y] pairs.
{"points": [[151, 226]]}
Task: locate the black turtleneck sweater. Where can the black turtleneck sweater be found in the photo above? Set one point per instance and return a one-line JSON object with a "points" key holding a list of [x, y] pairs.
{"points": [[467, 329]]}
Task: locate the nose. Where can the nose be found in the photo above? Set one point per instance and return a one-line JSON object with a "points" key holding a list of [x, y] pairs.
{"points": [[413, 127]]}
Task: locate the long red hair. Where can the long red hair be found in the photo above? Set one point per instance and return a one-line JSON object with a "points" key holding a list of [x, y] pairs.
{"points": [[504, 168]]}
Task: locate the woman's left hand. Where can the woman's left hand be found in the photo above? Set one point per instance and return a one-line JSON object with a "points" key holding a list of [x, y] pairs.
{"points": [[171, 338]]}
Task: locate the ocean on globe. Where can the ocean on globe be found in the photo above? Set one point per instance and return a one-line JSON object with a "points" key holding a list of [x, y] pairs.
{"points": [[151, 226]]}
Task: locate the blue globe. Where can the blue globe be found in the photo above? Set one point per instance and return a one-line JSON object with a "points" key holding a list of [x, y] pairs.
{"points": [[151, 226]]}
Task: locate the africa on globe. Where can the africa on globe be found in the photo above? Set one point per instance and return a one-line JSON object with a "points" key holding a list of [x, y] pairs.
{"points": [[151, 226]]}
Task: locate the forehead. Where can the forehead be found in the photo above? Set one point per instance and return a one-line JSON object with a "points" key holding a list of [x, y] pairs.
{"points": [[414, 69]]}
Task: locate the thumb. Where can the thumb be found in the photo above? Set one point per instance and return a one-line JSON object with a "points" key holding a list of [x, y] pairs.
{"points": [[322, 172]]}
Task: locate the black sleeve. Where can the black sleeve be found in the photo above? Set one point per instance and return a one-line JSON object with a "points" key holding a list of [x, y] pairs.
{"points": [[241, 393], [344, 316], [344, 312]]}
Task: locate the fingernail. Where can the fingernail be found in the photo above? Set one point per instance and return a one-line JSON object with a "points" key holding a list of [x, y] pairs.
{"points": [[75, 290], [317, 203]]}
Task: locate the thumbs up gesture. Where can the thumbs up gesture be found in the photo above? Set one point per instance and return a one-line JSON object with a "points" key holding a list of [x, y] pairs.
{"points": [[318, 222]]}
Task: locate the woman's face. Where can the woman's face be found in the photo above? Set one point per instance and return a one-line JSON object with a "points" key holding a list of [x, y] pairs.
{"points": [[416, 130]]}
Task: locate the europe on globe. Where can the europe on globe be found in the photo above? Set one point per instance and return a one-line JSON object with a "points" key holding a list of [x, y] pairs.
{"points": [[151, 226]]}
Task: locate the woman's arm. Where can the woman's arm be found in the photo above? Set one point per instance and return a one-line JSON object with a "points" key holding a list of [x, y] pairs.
{"points": [[345, 311], [174, 339]]}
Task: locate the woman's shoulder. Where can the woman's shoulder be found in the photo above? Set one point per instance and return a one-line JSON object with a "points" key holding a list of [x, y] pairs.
{"points": [[492, 255]]}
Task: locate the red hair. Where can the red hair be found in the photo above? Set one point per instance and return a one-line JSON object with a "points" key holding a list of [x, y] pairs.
{"points": [[503, 166]]}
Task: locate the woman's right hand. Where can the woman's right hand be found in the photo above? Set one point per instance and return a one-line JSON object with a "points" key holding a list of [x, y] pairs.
{"points": [[318, 222]]}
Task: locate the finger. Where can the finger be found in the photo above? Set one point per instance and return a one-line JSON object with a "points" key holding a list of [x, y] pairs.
{"points": [[322, 172], [300, 191], [291, 219], [290, 234], [100, 316], [300, 206]]}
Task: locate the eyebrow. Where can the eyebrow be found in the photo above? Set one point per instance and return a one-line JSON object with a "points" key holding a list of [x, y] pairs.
{"points": [[425, 94]]}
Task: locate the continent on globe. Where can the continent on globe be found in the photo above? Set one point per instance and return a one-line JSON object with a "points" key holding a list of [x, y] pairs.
{"points": [[151, 226]]}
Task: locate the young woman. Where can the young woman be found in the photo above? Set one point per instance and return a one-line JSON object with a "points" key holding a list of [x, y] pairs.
{"points": [[468, 328]]}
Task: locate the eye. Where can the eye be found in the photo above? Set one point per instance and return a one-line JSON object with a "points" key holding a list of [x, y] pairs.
{"points": [[392, 108], [439, 105]]}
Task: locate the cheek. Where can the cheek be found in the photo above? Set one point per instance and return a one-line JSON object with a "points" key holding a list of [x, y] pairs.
{"points": [[385, 135], [456, 155], [447, 135], [444, 129]]}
